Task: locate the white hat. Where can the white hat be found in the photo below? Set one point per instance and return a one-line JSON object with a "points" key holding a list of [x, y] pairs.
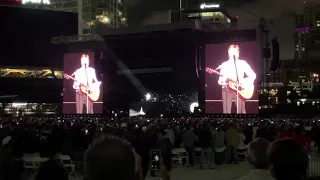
{"points": [[144, 128], [6, 140]]}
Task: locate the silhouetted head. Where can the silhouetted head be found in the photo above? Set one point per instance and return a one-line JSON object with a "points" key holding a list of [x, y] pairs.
{"points": [[109, 157], [288, 160]]}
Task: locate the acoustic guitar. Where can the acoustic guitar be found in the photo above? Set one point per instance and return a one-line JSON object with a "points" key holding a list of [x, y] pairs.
{"points": [[93, 92], [244, 89]]}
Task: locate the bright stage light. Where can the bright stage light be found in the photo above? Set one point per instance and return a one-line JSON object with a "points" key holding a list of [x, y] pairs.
{"points": [[141, 112], [148, 96], [193, 105]]}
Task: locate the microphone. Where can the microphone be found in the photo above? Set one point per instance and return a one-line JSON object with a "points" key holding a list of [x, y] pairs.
{"points": [[234, 58]]}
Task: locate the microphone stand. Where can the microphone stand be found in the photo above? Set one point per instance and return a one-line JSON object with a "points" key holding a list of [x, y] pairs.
{"points": [[85, 68], [235, 65]]}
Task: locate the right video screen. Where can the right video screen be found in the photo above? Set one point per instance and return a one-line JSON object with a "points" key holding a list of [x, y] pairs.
{"points": [[231, 79]]}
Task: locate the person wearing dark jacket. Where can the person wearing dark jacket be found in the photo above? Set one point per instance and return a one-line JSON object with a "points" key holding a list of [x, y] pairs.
{"points": [[188, 139], [142, 146], [165, 145], [205, 143]]}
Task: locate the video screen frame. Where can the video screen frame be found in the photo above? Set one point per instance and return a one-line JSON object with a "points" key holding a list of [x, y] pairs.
{"points": [[219, 99], [77, 98]]}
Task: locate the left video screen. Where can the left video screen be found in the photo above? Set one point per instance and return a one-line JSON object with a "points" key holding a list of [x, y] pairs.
{"points": [[82, 85]]}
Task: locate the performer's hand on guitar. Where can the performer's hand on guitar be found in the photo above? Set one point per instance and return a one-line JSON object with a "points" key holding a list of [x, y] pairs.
{"points": [[97, 84], [210, 70], [68, 77], [76, 85], [222, 81]]}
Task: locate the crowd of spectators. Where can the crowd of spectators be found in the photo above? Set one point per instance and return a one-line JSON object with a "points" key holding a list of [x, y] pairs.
{"points": [[120, 148]]}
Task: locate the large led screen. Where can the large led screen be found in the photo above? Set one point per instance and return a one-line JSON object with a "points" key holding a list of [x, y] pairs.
{"points": [[82, 88], [231, 79]]}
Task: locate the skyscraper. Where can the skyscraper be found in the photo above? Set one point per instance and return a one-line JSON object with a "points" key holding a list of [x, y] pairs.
{"points": [[307, 36], [312, 16], [111, 13]]}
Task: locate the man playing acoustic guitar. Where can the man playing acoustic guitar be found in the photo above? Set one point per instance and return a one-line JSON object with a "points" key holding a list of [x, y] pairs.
{"points": [[234, 71], [84, 76]]}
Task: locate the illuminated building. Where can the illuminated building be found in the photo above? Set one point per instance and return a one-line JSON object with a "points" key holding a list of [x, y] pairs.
{"points": [[111, 13], [301, 73], [27, 91], [30, 73], [208, 16], [21, 108], [307, 37], [30, 76], [91, 13]]}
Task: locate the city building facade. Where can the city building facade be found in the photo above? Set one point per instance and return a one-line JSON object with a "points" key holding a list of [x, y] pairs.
{"points": [[111, 13], [211, 16], [300, 75], [307, 37], [91, 13]]}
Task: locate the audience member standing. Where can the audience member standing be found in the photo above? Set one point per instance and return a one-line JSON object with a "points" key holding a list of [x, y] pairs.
{"points": [[165, 145], [316, 135], [219, 146], [241, 138], [142, 145], [205, 143], [188, 138], [232, 138], [301, 138], [254, 131], [170, 134]]}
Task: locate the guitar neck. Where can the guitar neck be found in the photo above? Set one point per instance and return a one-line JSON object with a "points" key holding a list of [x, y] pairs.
{"points": [[219, 74], [73, 79], [70, 77]]}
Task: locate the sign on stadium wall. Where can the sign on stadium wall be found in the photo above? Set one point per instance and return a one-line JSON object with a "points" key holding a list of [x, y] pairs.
{"points": [[35, 2]]}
